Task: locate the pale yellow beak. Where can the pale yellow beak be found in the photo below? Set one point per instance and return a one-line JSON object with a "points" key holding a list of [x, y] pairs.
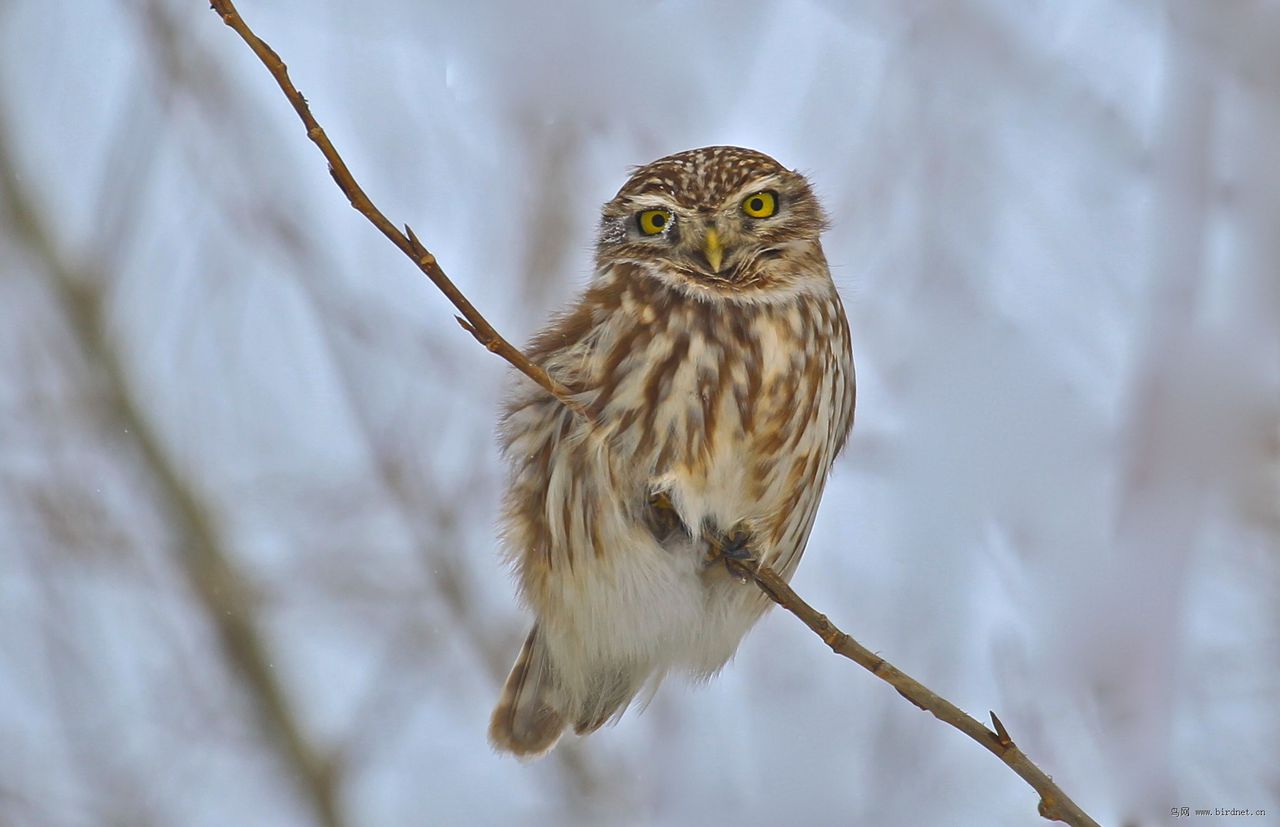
{"points": [[712, 249]]}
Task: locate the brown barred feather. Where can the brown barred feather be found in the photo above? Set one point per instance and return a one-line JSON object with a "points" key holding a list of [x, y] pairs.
{"points": [[526, 722], [719, 397]]}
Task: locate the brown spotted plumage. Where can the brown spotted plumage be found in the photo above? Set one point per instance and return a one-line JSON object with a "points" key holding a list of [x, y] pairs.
{"points": [[712, 353]]}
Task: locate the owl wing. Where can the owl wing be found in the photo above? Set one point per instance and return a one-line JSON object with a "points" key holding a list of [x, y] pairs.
{"points": [[830, 422]]}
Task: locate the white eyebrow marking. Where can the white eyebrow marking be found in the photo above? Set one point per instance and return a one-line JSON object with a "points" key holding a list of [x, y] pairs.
{"points": [[652, 199], [768, 182]]}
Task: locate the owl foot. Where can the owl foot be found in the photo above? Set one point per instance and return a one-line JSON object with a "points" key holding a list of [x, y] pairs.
{"points": [[732, 550], [735, 547], [662, 518]]}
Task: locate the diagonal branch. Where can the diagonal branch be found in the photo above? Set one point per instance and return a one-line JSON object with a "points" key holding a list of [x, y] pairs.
{"points": [[1054, 804], [408, 242]]}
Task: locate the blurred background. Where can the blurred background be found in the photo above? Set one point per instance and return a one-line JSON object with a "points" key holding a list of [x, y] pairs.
{"points": [[248, 482]]}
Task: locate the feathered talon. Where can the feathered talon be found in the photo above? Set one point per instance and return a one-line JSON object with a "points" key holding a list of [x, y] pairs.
{"points": [[735, 548], [730, 549]]}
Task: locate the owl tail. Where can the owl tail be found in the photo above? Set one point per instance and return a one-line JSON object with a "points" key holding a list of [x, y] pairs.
{"points": [[526, 721]]}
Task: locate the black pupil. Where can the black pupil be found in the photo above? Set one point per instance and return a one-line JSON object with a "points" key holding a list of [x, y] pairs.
{"points": [[757, 205], [658, 219]]}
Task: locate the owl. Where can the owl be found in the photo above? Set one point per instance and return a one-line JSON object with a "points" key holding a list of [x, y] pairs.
{"points": [[711, 354]]}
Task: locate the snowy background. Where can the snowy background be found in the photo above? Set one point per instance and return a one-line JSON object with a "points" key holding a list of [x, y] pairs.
{"points": [[248, 482]]}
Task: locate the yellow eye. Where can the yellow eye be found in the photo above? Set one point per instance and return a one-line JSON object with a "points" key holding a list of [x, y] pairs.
{"points": [[760, 205], [653, 222]]}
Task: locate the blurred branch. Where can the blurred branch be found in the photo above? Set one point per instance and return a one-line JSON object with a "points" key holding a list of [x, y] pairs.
{"points": [[1054, 804], [107, 786], [211, 571], [426, 517]]}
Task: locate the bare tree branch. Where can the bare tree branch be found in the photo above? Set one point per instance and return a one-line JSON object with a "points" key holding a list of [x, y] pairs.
{"points": [[185, 66], [408, 242], [1054, 804]]}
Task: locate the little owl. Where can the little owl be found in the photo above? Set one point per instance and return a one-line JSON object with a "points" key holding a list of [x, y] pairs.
{"points": [[711, 355]]}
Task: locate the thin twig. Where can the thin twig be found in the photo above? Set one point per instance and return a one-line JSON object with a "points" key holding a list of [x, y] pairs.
{"points": [[1054, 804], [189, 68], [408, 242]]}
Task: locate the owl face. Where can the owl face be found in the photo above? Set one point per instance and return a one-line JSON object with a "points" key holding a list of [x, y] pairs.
{"points": [[720, 220]]}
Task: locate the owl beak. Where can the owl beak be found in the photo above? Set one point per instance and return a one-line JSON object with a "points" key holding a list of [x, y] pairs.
{"points": [[712, 250]]}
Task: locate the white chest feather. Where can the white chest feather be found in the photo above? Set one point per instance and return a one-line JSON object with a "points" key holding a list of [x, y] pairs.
{"points": [[719, 486]]}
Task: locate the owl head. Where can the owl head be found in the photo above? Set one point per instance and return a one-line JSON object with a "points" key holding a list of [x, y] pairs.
{"points": [[716, 221]]}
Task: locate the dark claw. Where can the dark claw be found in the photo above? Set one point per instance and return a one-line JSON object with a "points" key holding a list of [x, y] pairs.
{"points": [[735, 548], [733, 551]]}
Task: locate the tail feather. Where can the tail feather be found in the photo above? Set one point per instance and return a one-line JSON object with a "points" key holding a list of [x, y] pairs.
{"points": [[526, 721], [610, 698]]}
